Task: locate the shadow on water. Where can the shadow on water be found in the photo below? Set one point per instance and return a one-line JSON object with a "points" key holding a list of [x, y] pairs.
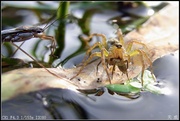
{"points": [[66, 104]]}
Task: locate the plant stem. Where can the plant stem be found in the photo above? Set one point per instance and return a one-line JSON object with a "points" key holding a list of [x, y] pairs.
{"points": [[60, 32]]}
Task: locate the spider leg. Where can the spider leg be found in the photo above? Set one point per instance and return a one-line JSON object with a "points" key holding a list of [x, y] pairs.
{"points": [[143, 66], [126, 61], [129, 45], [98, 54], [101, 54], [135, 52], [104, 63], [120, 36], [114, 65], [97, 67], [143, 54], [97, 44], [96, 34], [103, 44], [103, 38], [150, 62]]}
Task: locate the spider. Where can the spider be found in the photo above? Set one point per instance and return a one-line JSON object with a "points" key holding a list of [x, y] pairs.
{"points": [[116, 54]]}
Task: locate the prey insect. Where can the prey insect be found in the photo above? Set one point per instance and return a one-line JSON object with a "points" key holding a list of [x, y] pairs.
{"points": [[24, 33], [116, 54]]}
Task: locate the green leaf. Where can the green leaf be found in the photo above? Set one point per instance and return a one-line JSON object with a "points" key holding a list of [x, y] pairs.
{"points": [[135, 86], [123, 88]]}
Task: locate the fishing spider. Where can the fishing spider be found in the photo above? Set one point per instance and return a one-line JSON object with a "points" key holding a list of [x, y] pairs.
{"points": [[116, 55]]}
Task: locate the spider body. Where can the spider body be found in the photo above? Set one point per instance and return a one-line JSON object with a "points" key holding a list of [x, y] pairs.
{"points": [[117, 54]]}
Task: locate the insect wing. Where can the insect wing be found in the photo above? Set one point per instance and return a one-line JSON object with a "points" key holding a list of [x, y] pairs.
{"points": [[10, 31]]}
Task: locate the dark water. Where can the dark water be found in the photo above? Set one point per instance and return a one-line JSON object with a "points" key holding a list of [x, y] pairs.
{"points": [[66, 104]]}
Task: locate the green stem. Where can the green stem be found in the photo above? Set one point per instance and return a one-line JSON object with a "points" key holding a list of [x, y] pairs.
{"points": [[60, 32]]}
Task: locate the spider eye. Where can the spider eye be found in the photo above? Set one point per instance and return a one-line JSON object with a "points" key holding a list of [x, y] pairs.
{"points": [[118, 46]]}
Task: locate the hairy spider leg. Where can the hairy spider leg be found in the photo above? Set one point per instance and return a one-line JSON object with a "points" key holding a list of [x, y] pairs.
{"points": [[98, 54], [120, 35], [103, 44], [97, 67], [137, 42], [130, 43], [101, 54], [103, 59], [135, 52], [142, 55], [97, 44]]}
